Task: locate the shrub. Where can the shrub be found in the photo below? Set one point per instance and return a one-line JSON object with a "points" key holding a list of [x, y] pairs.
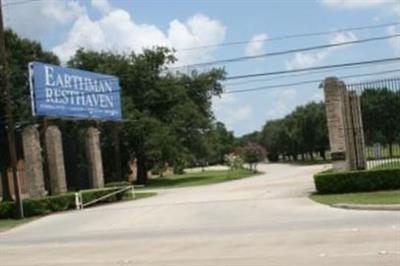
{"points": [[357, 181], [253, 153], [118, 184], [6, 209], [234, 161], [37, 207]]}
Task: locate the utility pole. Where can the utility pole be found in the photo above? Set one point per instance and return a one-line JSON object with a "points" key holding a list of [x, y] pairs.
{"points": [[6, 93]]}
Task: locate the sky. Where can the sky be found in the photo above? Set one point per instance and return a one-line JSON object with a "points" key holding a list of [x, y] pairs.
{"points": [[62, 26]]}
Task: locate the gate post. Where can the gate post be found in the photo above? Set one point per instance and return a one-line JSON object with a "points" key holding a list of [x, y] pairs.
{"points": [[33, 161], [358, 131], [335, 92], [55, 159], [93, 154]]}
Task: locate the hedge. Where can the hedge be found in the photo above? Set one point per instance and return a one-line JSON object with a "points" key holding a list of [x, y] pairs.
{"points": [[37, 207], [357, 181]]}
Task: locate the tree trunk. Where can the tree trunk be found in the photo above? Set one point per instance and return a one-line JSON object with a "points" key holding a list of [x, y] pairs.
{"points": [[322, 153], [302, 157], [5, 185], [311, 155], [141, 171], [390, 149]]}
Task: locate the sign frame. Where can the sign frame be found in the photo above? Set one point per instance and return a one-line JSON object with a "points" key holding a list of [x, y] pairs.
{"points": [[71, 93]]}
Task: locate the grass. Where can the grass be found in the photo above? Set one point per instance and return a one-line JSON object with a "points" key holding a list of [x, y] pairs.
{"points": [[143, 195], [379, 197], [7, 224], [198, 179]]}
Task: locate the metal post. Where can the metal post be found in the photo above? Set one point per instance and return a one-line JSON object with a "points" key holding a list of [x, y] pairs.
{"points": [[4, 76], [77, 201]]}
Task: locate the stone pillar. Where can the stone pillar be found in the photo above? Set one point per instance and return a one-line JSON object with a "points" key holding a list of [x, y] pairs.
{"points": [[351, 156], [358, 131], [93, 154], [55, 160], [33, 161], [335, 92]]}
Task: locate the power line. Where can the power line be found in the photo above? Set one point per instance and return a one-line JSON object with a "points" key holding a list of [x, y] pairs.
{"points": [[291, 51], [345, 65], [227, 92], [276, 86], [308, 82], [314, 68], [303, 74], [293, 36]]}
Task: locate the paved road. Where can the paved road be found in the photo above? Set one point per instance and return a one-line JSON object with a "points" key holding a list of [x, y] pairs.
{"points": [[264, 220]]}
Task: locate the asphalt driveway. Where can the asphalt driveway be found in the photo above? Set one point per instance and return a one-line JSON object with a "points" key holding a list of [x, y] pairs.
{"points": [[263, 220]]}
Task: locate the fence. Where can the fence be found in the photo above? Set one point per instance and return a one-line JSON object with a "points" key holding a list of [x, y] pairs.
{"points": [[380, 112], [364, 123]]}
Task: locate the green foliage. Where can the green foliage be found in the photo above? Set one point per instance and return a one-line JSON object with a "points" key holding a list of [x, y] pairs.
{"points": [[20, 52], [302, 132], [6, 209], [253, 154], [381, 117], [170, 112], [357, 181], [234, 161], [198, 179], [117, 184], [37, 207]]}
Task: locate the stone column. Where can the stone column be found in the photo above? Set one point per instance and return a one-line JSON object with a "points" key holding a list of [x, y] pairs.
{"points": [[33, 161], [93, 154], [358, 131], [351, 155], [335, 92], [55, 160]]}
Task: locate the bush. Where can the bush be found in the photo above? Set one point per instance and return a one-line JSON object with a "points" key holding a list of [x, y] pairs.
{"points": [[357, 181], [37, 207], [118, 184]]}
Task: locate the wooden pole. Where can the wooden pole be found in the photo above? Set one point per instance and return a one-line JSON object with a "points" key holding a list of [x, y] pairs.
{"points": [[6, 93]]}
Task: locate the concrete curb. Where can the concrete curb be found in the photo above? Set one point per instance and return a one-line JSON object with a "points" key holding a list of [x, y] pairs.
{"points": [[368, 207]]}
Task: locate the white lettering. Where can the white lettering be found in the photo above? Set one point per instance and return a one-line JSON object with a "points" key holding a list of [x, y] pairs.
{"points": [[49, 75]]}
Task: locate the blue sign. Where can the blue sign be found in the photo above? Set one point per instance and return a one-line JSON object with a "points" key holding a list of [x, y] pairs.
{"points": [[64, 92]]}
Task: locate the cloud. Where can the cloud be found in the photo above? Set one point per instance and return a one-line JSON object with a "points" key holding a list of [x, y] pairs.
{"points": [[117, 31], [284, 100], [394, 42], [242, 113], [311, 59], [230, 111], [37, 18], [355, 3], [256, 45], [103, 6]]}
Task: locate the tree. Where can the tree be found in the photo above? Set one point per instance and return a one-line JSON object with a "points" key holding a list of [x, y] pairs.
{"points": [[381, 117], [168, 115], [253, 153], [20, 52], [302, 132], [220, 142]]}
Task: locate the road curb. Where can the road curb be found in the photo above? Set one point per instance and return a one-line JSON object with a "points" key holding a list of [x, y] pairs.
{"points": [[368, 207]]}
